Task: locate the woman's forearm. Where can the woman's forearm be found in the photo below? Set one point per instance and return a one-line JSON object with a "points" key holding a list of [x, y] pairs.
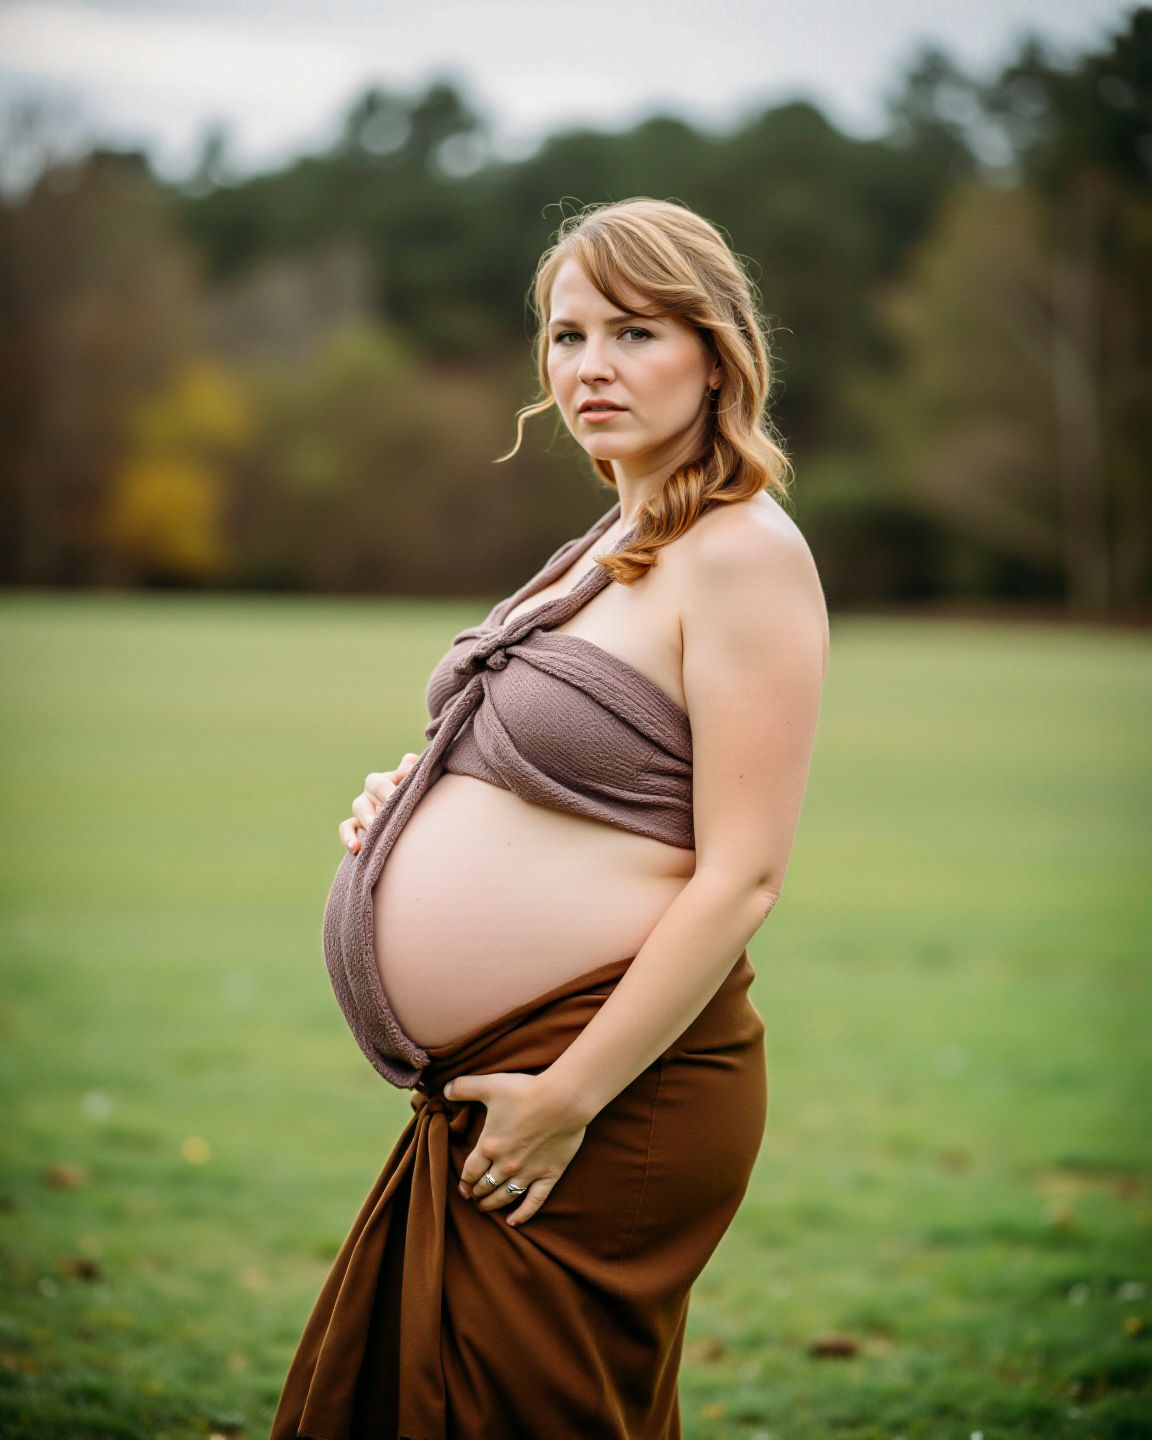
{"points": [[680, 966]]}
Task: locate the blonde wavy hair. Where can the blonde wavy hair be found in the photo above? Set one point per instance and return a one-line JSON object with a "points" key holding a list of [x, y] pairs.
{"points": [[683, 266]]}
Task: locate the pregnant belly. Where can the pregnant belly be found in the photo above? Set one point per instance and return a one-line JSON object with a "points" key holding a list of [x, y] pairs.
{"points": [[486, 901]]}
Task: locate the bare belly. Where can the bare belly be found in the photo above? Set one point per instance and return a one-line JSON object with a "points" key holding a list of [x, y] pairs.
{"points": [[486, 901]]}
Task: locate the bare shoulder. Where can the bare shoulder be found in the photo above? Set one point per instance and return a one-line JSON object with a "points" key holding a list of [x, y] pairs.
{"points": [[752, 533], [744, 558]]}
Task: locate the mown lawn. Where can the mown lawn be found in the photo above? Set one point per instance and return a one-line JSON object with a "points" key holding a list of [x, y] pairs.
{"points": [[955, 1178]]}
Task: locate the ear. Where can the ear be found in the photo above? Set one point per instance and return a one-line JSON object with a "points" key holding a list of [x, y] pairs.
{"points": [[716, 365]]}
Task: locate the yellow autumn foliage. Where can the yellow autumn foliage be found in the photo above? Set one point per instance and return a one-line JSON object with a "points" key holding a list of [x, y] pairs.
{"points": [[167, 514], [203, 407]]}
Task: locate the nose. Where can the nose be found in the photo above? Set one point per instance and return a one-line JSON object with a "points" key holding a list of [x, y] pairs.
{"points": [[593, 364]]}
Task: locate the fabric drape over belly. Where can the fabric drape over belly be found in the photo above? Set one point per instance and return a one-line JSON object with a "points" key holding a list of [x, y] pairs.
{"points": [[438, 1321]]}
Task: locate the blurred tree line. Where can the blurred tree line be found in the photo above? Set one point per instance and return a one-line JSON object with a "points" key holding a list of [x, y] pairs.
{"points": [[300, 380]]}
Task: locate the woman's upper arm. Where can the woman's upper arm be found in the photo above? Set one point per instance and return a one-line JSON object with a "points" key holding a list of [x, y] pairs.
{"points": [[755, 637]]}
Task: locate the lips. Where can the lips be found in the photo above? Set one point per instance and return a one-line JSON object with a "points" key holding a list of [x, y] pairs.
{"points": [[598, 405]]}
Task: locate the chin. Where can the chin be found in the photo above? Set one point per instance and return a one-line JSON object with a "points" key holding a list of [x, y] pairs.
{"points": [[610, 452], [618, 444]]}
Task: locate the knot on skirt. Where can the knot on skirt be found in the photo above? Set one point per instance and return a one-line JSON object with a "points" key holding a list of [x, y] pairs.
{"points": [[433, 1104]]}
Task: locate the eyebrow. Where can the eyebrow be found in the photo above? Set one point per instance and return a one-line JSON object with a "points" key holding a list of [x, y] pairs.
{"points": [[612, 319]]}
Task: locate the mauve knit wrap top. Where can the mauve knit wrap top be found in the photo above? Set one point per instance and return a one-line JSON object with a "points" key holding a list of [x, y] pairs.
{"points": [[556, 720]]}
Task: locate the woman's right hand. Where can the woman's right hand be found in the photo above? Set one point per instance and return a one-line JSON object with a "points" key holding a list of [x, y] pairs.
{"points": [[378, 786]]}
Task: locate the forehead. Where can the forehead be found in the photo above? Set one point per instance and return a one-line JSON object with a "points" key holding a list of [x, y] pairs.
{"points": [[573, 293]]}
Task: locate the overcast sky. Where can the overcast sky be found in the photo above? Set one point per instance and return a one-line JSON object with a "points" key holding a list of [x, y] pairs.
{"points": [[281, 72]]}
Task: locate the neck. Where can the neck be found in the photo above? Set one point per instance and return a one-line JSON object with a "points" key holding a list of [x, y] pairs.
{"points": [[629, 510], [640, 479]]}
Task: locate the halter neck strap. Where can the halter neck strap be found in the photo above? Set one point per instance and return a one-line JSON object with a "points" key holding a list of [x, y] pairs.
{"points": [[561, 607]]}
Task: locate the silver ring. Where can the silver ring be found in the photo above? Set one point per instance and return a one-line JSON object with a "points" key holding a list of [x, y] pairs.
{"points": [[490, 1179], [514, 1189]]}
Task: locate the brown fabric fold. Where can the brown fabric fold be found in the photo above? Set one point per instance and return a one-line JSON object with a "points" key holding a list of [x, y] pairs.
{"points": [[438, 1321]]}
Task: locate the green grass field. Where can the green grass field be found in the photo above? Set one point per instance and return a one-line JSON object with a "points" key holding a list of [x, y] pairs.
{"points": [[956, 1171]]}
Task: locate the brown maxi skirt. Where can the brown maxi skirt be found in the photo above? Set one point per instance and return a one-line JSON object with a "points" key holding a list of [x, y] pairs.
{"points": [[438, 1321]]}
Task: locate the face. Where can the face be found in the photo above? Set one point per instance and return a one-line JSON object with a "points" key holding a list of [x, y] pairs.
{"points": [[657, 371]]}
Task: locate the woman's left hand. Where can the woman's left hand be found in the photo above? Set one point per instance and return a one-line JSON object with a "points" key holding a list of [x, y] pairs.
{"points": [[522, 1140]]}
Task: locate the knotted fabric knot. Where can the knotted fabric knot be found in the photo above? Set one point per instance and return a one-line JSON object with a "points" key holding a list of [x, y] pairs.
{"points": [[438, 1104], [487, 653], [433, 1104]]}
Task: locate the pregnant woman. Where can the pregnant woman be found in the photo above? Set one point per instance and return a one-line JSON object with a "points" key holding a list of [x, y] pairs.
{"points": [[540, 923]]}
